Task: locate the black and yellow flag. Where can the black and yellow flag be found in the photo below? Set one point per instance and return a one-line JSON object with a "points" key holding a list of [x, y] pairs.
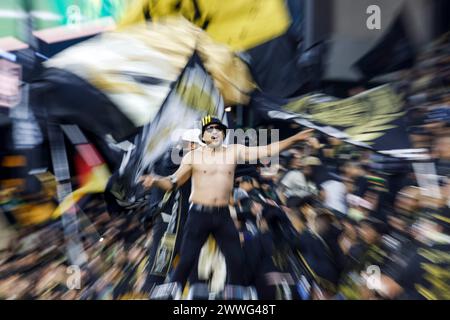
{"points": [[122, 78], [372, 119], [268, 33], [241, 24]]}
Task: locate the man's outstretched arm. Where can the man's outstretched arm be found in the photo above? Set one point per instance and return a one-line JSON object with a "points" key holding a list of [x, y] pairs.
{"points": [[175, 180], [255, 153]]}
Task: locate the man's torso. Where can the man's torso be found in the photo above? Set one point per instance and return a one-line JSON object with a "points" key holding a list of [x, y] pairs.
{"points": [[213, 175]]}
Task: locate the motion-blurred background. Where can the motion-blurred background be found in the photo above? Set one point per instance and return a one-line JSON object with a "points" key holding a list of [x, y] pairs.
{"points": [[84, 85]]}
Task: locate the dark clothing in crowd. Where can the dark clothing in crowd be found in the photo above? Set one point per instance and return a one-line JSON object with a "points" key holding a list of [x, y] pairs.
{"points": [[361, 258], [258, 252], [423, 273], [323, 256]]}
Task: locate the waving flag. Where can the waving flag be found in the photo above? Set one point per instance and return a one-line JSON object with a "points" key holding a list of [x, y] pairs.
{"points": [[240, 24], [116, 83], [373, 119], [268, 34]]}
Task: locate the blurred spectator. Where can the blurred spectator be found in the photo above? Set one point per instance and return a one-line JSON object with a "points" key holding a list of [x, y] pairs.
{"points": [[299, 180]]}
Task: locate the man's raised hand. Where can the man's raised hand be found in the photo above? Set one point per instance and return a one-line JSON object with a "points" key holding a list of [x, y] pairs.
{"points": [[304, 135]]}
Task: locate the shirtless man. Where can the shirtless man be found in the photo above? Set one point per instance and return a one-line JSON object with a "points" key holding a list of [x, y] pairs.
{"points": [[211, 169]]}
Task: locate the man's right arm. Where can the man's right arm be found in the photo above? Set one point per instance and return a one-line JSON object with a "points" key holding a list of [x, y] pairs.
{"points": [[176, 180]]}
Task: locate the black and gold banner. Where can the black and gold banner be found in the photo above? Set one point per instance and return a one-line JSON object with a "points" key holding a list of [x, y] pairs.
{"points": [[373, 119]]}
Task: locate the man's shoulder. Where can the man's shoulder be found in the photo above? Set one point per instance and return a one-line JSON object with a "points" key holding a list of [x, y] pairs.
{"points": [[189, 157]]}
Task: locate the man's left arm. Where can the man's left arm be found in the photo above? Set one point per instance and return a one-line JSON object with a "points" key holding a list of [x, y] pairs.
{"points": [[260, 152]]}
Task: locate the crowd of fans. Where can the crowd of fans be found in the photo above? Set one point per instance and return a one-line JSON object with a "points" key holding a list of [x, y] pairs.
{"points": [[344, 223], [324, 225], [331, 222], [343, 232], [36, 265]]}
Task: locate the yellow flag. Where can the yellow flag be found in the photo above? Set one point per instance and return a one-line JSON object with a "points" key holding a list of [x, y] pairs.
{"points": [[97, 183], [241, 24]]}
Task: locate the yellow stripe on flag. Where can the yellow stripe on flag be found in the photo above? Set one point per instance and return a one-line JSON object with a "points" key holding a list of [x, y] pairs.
{"points": [[97, 183], [241, 24]]}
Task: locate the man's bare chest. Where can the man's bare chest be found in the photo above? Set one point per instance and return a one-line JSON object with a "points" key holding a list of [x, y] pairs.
{"points": [[214, 163]]}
